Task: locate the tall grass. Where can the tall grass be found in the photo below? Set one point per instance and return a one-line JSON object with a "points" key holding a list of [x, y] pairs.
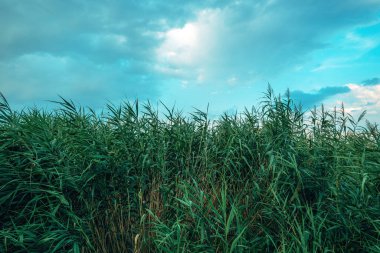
{"points": [[270, 179]]}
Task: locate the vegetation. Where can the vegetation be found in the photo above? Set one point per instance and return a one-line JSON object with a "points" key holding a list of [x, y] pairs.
{"points": [[270, 179]]}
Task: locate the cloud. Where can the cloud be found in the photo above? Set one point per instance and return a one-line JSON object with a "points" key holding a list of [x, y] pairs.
{"points": [[332, 63], [371, 81], [261, 39], [83, 49], [179, 44], [366, 94], [40, 76], [185, 52], [358, 99], [355, 97], [309, 100], [81, 26], [91, 50], [360, 42]]}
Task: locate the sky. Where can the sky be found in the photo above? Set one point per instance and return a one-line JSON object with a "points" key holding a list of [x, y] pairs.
{"points": [[191, 54]]}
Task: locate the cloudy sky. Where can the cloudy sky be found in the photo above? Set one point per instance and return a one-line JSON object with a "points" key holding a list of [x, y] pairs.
{"points": [[191, 53]]}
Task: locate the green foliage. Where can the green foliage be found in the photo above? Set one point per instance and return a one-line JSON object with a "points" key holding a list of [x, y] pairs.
{"points": [[271, 179]]}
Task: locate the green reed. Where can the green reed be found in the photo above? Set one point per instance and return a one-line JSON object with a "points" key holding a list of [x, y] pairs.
{"points": [[133, 179]]}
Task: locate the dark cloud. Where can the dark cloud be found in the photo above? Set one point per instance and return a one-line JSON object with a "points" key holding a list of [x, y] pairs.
{"points": [[371, 81], [310, 99]]}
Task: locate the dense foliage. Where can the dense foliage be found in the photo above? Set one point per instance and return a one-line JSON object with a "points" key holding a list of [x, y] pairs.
{"points": [[132, 180]]}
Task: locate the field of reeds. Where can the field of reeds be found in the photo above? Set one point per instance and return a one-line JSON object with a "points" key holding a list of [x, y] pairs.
{"points": [[135, 179]]}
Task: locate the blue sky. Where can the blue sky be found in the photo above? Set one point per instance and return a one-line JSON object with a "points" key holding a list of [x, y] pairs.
{"points": [[191, 53]]}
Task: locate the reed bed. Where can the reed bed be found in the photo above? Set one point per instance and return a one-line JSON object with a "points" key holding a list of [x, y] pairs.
{"points": [[268, 179]]}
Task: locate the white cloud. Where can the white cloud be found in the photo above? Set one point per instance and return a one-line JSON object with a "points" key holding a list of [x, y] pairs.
{"points": [[232, 80], [191, 44], [190, 50], [332, 63], [367, 94], [358, 99], [360, 42], [180, 45]]}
